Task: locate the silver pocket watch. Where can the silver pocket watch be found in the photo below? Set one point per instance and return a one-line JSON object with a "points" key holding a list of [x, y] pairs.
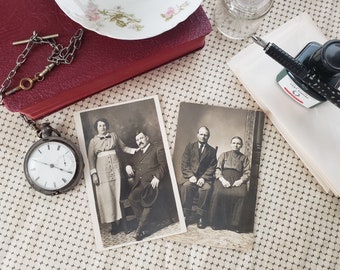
{"points": [[53, 165]]}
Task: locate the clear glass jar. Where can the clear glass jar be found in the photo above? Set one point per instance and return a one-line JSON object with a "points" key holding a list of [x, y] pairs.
{"points": [[239, 19]]}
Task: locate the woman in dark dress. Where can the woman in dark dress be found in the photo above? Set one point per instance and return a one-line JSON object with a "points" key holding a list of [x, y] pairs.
{"points": [[230, 188]]}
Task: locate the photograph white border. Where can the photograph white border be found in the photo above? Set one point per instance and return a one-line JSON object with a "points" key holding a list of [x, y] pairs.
{"points": [[180, 224]]}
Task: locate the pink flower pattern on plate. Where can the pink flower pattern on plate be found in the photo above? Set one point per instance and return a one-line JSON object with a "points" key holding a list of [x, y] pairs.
{"points": [[115, 15], [171, 12], [92, 12]]}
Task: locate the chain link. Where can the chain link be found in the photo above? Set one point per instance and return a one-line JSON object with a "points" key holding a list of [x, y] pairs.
{"points": [[59, 55], [31, 123], [19, 61]]}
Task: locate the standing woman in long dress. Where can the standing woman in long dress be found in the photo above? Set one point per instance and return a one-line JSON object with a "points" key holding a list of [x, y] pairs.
{"points": [[106, 173], [230, 187]]}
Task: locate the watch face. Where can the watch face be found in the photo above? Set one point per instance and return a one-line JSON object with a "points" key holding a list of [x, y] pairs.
{"points": [[53, 165]]}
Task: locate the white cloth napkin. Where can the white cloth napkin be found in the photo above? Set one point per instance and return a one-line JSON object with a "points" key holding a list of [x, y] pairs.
{"points": [[314, 133]]}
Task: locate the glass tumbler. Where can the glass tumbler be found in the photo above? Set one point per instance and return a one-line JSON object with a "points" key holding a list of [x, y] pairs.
{"points": [[239, 19]]}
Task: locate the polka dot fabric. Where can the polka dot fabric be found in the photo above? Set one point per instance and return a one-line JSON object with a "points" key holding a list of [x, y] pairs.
{"points": [[297, 225]]}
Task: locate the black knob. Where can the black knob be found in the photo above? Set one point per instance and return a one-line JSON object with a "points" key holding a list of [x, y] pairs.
{"points": [[326, 60]]}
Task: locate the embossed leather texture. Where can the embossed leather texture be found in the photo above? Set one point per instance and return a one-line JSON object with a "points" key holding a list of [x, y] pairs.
{"points": [[99, 63]]}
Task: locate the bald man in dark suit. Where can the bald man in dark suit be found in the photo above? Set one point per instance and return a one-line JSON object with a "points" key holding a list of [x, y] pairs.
{"points": [[148, 167], [198, 169]]}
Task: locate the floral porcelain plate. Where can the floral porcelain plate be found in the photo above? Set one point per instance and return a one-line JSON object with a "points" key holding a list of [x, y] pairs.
{"points": [[128, 19]]}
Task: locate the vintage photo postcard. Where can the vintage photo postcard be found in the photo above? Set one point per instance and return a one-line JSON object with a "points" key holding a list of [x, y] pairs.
{"points": [[129, 175], [216, 161]]}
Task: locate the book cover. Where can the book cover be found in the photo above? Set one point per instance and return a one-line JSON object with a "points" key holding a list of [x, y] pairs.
{"points": [[312, 133], [99, 63], [229, 172]]}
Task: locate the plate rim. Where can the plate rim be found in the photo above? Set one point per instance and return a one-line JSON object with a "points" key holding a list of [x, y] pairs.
{"points": [[132, 33]]}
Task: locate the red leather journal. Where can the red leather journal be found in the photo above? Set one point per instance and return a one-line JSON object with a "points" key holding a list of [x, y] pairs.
{"points": [[100, 62]]}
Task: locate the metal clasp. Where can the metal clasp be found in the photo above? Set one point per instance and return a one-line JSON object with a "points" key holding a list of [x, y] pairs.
{"points": [[34, 33], [27, 83]]}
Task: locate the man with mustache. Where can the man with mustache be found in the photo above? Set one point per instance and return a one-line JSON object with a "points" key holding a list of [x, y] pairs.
{"points": [[149, 168]]}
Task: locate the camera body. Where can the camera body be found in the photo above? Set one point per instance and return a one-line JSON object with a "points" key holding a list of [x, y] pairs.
{"points": [[324, 60]]}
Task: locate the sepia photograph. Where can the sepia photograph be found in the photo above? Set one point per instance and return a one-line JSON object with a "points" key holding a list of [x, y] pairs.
{"points": [[129, 175], [216, 161]]}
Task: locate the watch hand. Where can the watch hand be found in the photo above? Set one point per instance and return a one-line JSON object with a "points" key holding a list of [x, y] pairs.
{"points": [[61, 169], [42, 162], [53, 166]]}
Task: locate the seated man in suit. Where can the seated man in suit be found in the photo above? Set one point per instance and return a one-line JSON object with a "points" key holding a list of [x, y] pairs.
{"points": [[149, 168], [198, 169]]}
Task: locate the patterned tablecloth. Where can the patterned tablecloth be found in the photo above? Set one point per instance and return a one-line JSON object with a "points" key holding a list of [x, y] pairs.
{"points": [[297, 225]]}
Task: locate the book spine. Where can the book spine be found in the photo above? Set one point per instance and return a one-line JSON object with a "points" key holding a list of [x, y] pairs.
{"points": [[66, 98]]}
